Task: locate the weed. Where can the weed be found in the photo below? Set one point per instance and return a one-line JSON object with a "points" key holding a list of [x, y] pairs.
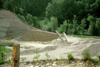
{"points": [[47, 55], [5, 50], [23, 59], [98, 56], [86, 54], [2, 57], [70, 56], [61, 57], [26, 47], [36, 56], [6, 43]]}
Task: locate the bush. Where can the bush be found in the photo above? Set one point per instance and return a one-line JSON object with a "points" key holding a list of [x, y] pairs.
{"points": [[3, 51], [74, 30], [81, 28], [98, 26], [47, 55], [86, 54], [49, 25], [70, 56], [23, 59], [62, 27], [2, 57], [98, 56], [91, 29], [6, 43]]}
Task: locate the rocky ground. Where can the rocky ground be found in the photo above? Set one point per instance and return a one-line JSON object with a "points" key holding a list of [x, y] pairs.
{"points": [[56, 63]]}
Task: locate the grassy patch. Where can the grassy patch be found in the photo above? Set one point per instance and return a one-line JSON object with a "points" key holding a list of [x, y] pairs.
{"points": [[5, 50], [83, 36], [27, 47], [6, 43]]}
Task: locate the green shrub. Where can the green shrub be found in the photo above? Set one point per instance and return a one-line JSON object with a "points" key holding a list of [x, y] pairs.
{"points": [[5, 50], [8, 61], [2, 57], [6, 43], [74, 30], [36, 56], [98, 56], [23, 59], [86, 54], [82, 27], [48, 25], [98, 26], [62, 27], [70, 56], [95, 61], [47, 55], [91, 29]]}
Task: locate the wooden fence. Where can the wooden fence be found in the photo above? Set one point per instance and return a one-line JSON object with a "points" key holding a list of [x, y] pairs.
{"points": [[16, 55]]}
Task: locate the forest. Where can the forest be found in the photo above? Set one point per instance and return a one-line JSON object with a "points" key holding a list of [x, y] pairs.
{"points": [[77, 17]]}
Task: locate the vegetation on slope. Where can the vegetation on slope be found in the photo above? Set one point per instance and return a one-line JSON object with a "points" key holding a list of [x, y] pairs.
{"points": [[79, 17]]}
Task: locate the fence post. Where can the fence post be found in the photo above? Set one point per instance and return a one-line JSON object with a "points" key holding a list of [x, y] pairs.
{"points": [[60, 36], [16, 55], [65, 36]]}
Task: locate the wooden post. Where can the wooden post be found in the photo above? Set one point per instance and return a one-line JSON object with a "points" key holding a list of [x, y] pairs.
{"points": [[65, 37], [16, 55], [60, 36]]}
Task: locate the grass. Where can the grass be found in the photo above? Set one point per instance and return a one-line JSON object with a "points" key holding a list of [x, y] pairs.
{"points": [[6, 43], [85, 36], [5, 50], [27, 47]]}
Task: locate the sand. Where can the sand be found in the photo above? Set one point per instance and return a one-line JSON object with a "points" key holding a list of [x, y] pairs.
{"points": [[57, 49]]}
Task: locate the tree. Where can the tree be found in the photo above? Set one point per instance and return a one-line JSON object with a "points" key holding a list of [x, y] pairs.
{"points": [[74, 25], [53, 9], [1, 4], [91, 29]]}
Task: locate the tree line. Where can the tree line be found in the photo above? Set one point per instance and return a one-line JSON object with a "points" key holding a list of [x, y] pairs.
{"points": [[70, 16]]}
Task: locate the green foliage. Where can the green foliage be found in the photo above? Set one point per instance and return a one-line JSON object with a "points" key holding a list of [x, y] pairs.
{"points": [[61, 57], [49, 25], [5, 50], [34, 7], [50, 14], [62, 27], [98, 26], [81, 28], [91, 26], [6, 43], [74, 30], [96, 60], [70, 56], [8, 61], [2, 57], [53, 9], [98, 56], [36, 56], [23, 59], [47, 55], [86, 54]]}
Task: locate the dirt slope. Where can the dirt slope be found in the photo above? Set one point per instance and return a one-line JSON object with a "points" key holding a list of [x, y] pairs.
{"points": [[13, 27]]}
